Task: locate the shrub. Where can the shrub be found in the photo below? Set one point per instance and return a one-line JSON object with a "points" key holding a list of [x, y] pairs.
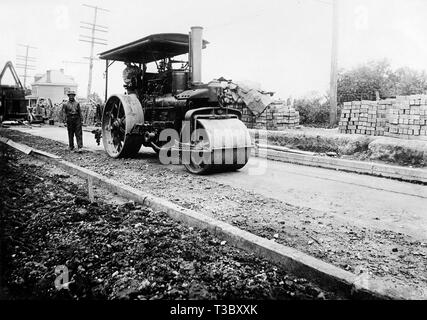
{"points": [[313, 111]]}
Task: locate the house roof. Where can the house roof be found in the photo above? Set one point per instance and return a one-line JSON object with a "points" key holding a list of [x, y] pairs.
{"points": [[57, 77]]}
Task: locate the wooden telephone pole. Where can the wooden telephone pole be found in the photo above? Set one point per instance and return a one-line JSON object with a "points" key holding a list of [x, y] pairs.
{"points": [[334, 66], [93, 27], [23, 62]]}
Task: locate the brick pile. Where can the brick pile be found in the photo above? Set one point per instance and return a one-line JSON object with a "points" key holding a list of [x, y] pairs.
{"points": [[363, 117], [407, 117], [403, 117], [277, 116]]}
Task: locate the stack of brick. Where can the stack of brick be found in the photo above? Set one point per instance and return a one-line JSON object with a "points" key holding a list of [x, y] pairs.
{"points": [[407, 117], [282, 116], [382, 107], [277, 116], [363, 117], [403, 117]]}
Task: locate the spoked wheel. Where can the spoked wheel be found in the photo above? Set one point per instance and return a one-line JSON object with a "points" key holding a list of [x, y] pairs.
{"points": [[121, 113], [218, 146]]}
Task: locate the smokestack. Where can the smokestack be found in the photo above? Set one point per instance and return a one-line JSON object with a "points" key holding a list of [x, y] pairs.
{"points": [[196, 44], [48, 75]]}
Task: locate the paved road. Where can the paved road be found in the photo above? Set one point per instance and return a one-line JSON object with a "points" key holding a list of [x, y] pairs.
{"points": [[367, 201]]}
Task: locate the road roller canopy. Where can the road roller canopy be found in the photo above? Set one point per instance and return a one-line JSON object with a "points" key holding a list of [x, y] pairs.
{"points": [[152, 48]]}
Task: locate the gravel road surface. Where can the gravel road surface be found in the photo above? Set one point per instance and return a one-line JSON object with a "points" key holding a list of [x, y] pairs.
{"points": [[383, 253], [114, 249]]}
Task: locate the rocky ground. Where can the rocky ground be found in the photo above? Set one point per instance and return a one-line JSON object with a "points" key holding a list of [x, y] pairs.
{"points": [[386, 255], [115, 249]]}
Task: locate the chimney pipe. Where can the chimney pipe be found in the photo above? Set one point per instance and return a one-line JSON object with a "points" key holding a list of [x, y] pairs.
{"points": [[48, 76], [196, 44]]}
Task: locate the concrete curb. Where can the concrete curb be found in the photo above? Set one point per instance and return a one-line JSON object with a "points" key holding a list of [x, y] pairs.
{"points": [[364, 167], [296, 262]]}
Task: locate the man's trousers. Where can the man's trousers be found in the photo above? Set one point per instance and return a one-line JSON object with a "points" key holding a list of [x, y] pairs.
{"points": [[74, 127]]}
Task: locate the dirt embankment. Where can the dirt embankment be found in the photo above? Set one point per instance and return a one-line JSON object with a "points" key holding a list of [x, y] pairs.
{"points": [[116, 251], [352, 146], [384, 254]]}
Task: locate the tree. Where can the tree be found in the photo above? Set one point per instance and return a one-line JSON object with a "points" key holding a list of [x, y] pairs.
{"points": [[407, 81], [363, 82], [313, 109]]}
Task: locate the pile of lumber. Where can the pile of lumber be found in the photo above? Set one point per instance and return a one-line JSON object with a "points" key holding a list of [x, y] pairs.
{"points": [[88, 113]]}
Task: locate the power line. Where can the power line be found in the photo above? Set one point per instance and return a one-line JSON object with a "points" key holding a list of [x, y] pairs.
{"points": [[74, 62], [94, 59], [94, 24], [334, 53], [89, 28], [242, 19], [100, 39], [98, 8], [25, 57], [79, 62], [94, 27], [23, 62]]}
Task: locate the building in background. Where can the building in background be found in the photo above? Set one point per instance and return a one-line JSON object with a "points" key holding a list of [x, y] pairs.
{"points": [[54, 84]]}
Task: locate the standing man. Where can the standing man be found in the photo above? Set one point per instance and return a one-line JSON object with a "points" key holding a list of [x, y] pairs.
{"points": [[73, 118]]}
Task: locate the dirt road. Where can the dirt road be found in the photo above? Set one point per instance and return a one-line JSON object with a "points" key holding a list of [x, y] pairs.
{"points": [[361, 200], [357, 247], [114, 249]]}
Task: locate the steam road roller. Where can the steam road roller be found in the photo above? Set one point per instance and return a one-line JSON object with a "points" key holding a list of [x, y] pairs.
{"points": [[167, 107]]}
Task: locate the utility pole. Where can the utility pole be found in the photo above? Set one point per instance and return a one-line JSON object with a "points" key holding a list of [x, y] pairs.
{"points": [[78, 62], [22, 62], [93, 27], [334, 66]]}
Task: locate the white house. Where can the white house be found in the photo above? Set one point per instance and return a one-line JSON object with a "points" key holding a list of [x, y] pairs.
{"points": [[54, 84]]}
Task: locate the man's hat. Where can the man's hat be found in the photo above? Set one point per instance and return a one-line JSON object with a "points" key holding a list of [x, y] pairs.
{"points": [[71, 92]]}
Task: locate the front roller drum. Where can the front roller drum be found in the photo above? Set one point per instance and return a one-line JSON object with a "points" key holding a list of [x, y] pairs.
{"points": [[121, 113], [218, 145]]}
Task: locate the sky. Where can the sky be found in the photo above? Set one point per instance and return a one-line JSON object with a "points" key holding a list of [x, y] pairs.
{"points": [[284, 45]]}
